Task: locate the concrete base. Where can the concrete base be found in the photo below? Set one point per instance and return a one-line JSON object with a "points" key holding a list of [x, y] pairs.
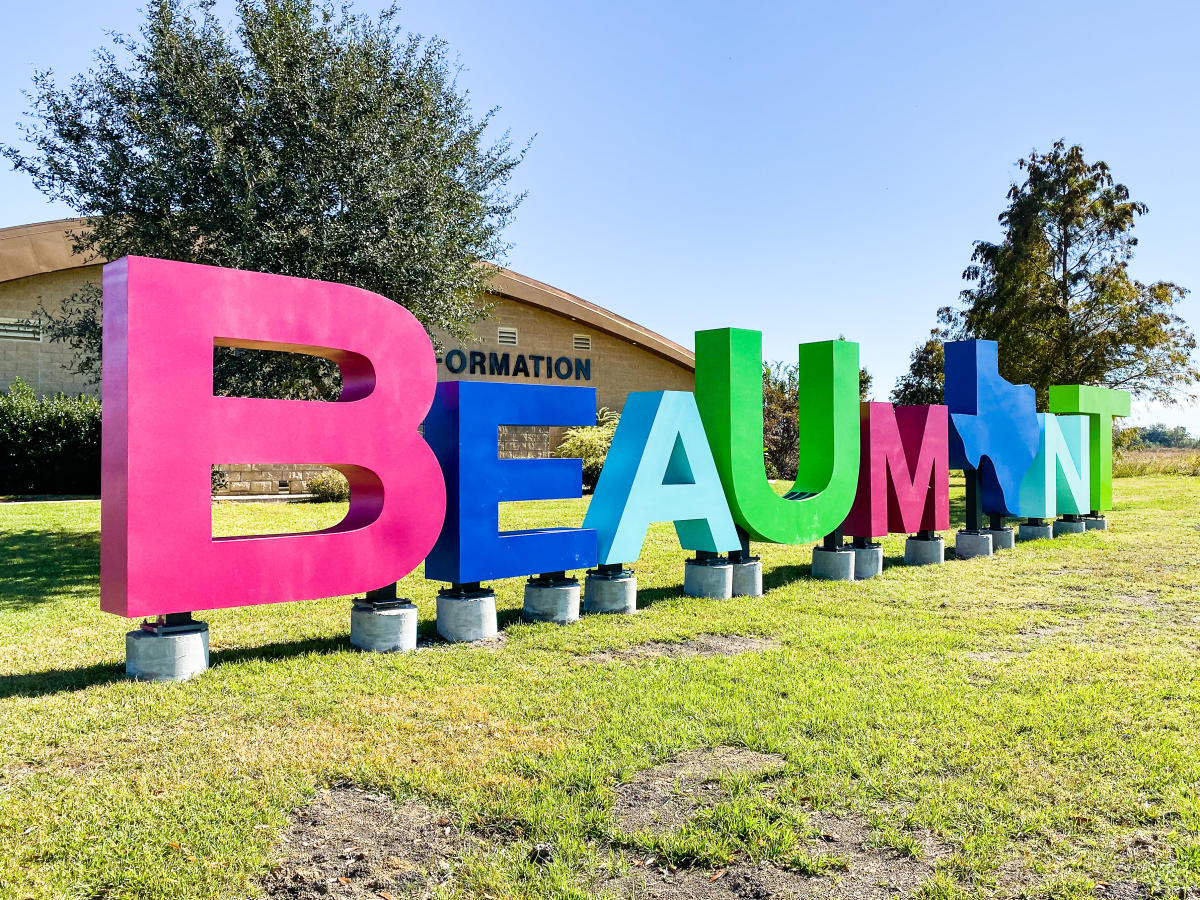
{"points": [[383, 627], [747, 578], [833, 565], [610, 594], [556, 601], [174, 656], [469, 618], [1002, 538], [711, 580], [1030, 532], [868, 561], [1062, 526], [920, 552], [1095, 523], [970, 544]]}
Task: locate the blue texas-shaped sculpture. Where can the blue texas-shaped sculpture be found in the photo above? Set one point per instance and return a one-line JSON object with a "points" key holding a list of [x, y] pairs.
{"points": [[994, 426]]}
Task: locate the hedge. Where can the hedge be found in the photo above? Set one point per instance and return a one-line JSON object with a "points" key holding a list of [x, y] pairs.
{"points": [[48, 445]]}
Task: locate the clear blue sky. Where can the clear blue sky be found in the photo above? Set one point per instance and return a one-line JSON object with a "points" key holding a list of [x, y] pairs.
{"points": [[804, 169]]}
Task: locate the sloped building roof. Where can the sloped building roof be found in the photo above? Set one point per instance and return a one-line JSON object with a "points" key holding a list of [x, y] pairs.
{"points": [[28, 250]]}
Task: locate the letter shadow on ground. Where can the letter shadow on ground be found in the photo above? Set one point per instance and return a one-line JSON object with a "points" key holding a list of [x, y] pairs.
{"points": [[55, 681], [785, 574]]}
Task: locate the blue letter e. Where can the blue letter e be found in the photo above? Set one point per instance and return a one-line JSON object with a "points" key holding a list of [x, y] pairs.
{"points": [[463, 430]]}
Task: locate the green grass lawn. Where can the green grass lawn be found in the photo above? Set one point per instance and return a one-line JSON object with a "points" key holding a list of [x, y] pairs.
{"points": [[1037, 712]]}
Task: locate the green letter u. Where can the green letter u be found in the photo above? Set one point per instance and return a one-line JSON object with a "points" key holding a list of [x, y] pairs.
{"points": [[729, 392]]}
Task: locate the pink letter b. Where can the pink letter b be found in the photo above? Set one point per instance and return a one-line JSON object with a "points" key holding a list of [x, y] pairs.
{"points": [[164, 429]]}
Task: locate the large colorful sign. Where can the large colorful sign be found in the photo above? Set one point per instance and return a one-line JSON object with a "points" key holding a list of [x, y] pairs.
{"points": [[904, 475], [163, 430], [694, 460], [729, 392], [462, 428]]}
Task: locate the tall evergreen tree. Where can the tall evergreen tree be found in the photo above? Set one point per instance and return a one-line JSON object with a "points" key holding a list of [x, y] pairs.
{"points": [[923, 383], [305, 141], [1056, 292]]}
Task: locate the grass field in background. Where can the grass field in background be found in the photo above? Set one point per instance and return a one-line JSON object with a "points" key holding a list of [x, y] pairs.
{"points": [[1037, 712], [1159, 461]]}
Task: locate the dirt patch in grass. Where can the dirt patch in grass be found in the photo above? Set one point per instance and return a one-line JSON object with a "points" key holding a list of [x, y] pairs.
{"points": [[1123, 890], [703, 645], [993, 655], [855, 868], [663, 798], [1147, 599], [1067, 626], [1131, 890], [354, 843], [842, 848]]}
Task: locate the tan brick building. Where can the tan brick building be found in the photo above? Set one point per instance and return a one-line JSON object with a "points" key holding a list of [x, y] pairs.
{"points": [[535, 334], [36, 264]]}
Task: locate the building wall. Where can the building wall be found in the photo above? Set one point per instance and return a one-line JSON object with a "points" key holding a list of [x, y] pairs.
{"points": [[39, 363], [613, 366], [251, 478], [617, 366]]}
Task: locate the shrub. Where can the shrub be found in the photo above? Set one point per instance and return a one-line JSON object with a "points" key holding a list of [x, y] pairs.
{"points": [[329, 486], [590, 444], [48, 445]]}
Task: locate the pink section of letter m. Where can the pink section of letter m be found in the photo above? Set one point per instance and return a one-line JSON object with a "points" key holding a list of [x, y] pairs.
{"points": [[164, 429]]}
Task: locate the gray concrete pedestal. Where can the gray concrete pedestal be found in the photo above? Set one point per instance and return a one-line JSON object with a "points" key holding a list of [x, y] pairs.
{"points": [[465, 617], [833, 565], [1095, 523], [868, 561], [1002, 538], [605, 592], [1035, 531], [1069, 526], [383, 627], [166, 654], [970, 544], [924, 551], [747, 577], [708, 578], [551, 600]]}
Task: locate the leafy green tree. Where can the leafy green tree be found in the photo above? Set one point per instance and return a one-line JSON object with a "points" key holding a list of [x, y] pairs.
{"points": [[781, 408], [1160, 435], [781, 430], [1125, 440], [304, 140], [924, 382], [1057, 294], [865, 380]]}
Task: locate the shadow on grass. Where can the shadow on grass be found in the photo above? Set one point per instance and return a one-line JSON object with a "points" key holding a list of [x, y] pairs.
{"points": [[958, 511], [45, 498], [647, 597], [57, 681], [41, 565], [786, 574], [281, 650], [505, 618]]}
